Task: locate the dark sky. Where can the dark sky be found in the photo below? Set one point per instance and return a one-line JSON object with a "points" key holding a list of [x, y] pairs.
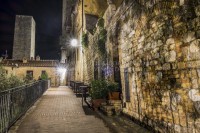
{"points": [[48, 18]]}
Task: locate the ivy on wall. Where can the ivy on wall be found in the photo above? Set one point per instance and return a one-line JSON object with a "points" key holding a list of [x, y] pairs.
{"points": [[102, 41], [85, 40], [100, 23], [102, 37]]}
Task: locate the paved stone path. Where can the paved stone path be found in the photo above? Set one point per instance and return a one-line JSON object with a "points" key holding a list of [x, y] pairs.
{"points": [[59, 111]]}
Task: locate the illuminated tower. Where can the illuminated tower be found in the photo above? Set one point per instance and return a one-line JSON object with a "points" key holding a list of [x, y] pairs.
{"points": [[24, 38]]}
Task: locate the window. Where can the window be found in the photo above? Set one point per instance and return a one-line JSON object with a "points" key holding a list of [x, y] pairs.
{"points": [[127, 89], [96, 69], [29, 75]]}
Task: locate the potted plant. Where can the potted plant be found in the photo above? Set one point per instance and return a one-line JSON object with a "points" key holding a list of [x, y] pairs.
{"points": [[98, 92], [44, 76], [113, 91]]}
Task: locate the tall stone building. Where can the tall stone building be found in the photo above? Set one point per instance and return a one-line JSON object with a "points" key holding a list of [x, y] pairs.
{"points": [[67, 52], [156, 44], [24, 38], [66, 25]]}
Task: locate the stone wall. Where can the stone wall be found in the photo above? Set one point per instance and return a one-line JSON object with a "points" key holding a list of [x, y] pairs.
{"points": [[159, 55], [24, 38], [93, 59], [159, 51]]}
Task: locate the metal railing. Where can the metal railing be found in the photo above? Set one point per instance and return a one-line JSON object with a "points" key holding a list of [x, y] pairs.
{"points": [[15, 102]]}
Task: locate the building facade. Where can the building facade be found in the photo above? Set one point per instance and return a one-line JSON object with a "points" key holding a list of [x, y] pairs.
{"points": [[35, 68], [24, 62], [155, 47], [67, 52]]}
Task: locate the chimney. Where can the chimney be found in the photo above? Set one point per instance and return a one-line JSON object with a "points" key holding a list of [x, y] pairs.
{"points": [[38, 58], [25, 60]]}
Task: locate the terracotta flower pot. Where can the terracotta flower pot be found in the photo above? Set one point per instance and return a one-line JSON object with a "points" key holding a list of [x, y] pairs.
{"points": [[97, 102], [114, 95]]}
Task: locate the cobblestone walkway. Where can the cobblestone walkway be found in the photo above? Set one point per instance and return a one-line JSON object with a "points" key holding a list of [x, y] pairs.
{"points": [[59, 111]]}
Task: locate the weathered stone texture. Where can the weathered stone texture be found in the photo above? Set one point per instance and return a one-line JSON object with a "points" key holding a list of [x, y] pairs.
{"points": [[158, 43], [24, 38]]}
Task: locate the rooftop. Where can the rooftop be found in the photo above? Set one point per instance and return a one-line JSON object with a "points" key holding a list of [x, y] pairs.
{"points": [[32, 63]]}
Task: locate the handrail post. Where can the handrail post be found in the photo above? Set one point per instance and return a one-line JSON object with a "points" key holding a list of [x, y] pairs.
{"points": [[9, 99], [21, 98]]}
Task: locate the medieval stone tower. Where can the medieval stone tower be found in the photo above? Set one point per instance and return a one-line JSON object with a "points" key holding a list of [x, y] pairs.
{"points": [[24, 38]]}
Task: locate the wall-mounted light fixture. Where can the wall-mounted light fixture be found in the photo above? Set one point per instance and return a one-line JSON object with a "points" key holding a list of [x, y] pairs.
{"points": [[62, 72], [74, 42]]}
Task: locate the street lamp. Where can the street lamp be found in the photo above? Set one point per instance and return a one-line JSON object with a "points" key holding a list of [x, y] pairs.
{"points": [[62, 70], [62, 73], [74, 42]]}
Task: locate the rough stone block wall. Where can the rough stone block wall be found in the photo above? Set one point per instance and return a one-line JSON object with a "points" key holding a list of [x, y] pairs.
{"points": [[24, 38], [159, 45], [92, 58]]}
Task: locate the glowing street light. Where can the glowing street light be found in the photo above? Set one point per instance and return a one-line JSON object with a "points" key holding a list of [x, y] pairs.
{"points": [[74, 42], [62, 70], [62, 73]]}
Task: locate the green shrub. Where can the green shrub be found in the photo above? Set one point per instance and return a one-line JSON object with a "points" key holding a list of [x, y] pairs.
{"points": [[14, 81], [101, 88], [85, 40], [98, 89], [44, 76], [113, 86], [9, 82]]}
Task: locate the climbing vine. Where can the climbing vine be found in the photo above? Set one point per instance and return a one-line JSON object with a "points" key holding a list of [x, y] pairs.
{"points": [[102, 37], [100, 23], [102, 41], [85, 40]]}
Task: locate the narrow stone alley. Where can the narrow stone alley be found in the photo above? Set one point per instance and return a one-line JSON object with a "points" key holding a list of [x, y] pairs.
{"points": [[59, 111]]}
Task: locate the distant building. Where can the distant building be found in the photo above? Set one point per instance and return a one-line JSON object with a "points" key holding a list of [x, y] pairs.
{"points": [[24, 62], [24, 38], [35, 68], [67, 52]]}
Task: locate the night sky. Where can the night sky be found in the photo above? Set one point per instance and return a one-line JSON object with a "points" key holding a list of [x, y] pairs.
{"points": [[48, 18]]}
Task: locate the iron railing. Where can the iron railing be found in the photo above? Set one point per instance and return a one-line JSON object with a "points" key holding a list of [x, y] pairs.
{"points": [[15, 102]]}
